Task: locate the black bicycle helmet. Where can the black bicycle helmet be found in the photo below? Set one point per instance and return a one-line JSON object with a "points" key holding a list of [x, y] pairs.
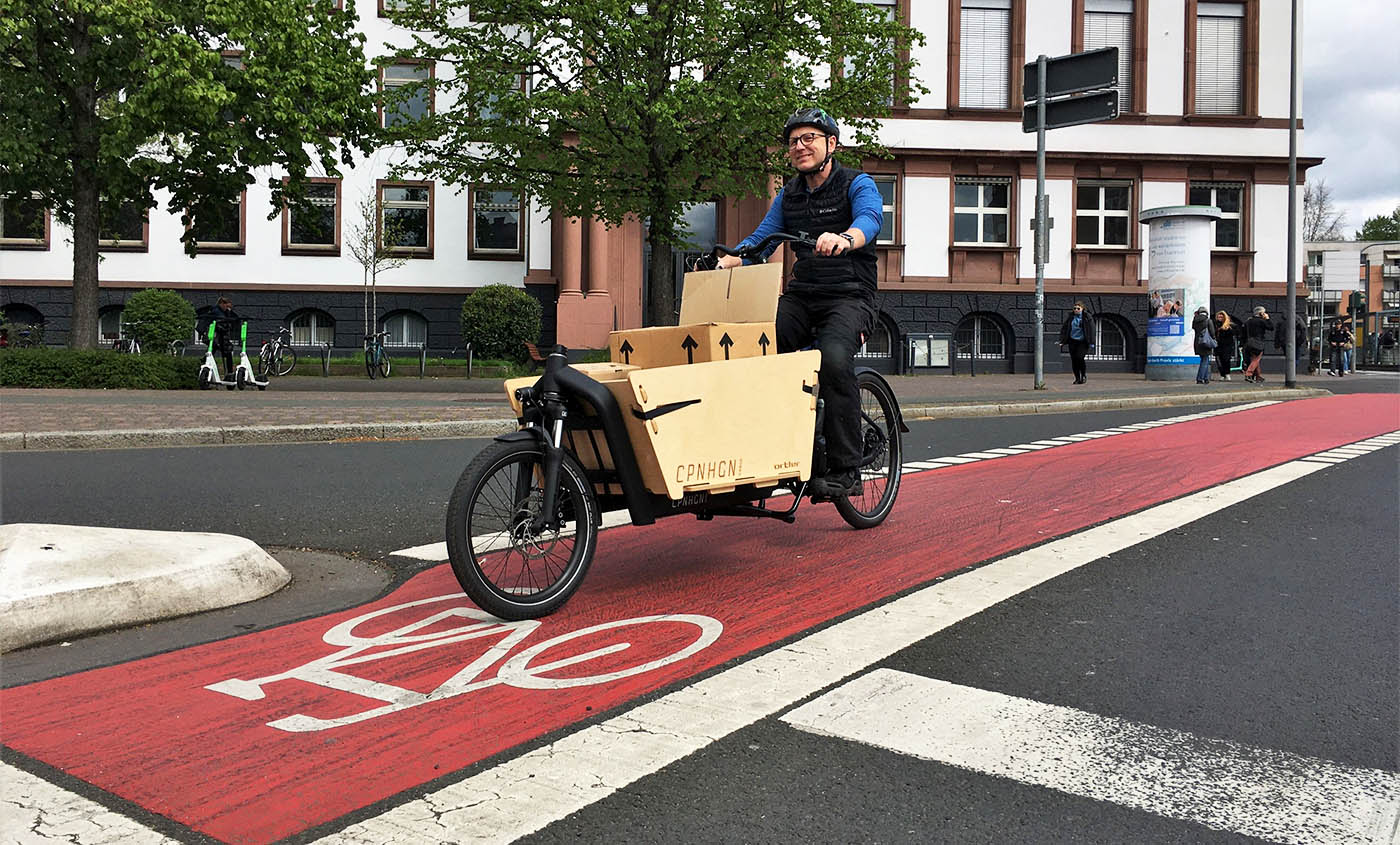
{"points": [[815, 117]]}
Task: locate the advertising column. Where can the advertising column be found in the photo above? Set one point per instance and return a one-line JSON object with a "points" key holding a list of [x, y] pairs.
{"points": [[1179, 240]]}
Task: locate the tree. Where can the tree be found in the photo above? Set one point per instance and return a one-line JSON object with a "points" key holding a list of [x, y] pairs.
{"points": [[1382, 227], [1321, 219], [609, 108], [159, 317], [374, 251], [106, 103]]}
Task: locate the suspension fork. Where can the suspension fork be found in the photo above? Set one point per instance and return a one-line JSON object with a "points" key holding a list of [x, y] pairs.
{"points": [[552, 442]]}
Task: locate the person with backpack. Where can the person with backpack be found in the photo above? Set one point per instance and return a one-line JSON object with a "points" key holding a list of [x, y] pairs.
{"points": [[1204, 343], [1256, 328]]}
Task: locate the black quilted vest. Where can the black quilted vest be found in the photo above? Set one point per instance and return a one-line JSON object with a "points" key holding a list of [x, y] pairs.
{"points": [[827, 209]]}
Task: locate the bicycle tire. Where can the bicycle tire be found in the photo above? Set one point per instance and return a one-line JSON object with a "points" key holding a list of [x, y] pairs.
{"points": [[369, 364], [883, 450], [502, 567], [176, 349], [264, 359], [285, 360], [383, 364]]}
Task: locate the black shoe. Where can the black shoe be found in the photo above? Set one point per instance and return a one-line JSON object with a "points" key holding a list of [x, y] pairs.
{"points": [[838, 484]]}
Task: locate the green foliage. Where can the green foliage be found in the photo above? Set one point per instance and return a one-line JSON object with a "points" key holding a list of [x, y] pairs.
{"points": [[1382, 227], [161, 316], [498, 320], [95, 368], [638, 109], [106, 103]]}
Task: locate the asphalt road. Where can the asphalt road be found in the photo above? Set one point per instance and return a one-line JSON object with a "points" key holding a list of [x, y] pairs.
{"points": [[1271, 625]]}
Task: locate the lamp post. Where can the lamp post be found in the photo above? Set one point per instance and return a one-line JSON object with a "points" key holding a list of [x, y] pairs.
{"points": [[1290, 367]]}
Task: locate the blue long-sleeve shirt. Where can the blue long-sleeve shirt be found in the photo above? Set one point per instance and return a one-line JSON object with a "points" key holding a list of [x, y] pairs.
{"points": [[866, 208]]}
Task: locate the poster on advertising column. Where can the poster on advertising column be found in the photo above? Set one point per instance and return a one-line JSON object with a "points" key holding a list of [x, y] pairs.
{"points": [[1179, 241]]}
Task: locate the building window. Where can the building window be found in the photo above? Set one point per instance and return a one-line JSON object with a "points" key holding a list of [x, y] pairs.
{"points": [[24, 223], [981, 336], [312, 328], [1220, 55], [981, 212], [407, 93], [220, 227], [406, 217], [1110, 341], [890, 11], [1229, 198], [494, 219], [312, 227], [387, 8], [405, 328], [122, 227], [984, 55], [1103, 214], [888, 187], [489, 112], [1109, 23], [109, 326]]}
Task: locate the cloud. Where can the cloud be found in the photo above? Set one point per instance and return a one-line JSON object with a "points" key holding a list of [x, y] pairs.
{"points": [[1350, 72]]}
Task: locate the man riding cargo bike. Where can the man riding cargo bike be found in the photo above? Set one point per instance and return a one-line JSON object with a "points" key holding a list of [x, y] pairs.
{"points": [[712, 427]]}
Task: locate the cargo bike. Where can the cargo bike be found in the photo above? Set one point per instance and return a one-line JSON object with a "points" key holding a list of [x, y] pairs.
{"points": [[711, 438]]}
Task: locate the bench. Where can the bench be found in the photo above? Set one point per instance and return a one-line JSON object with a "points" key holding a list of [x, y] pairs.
{"points": [[535, 358]]}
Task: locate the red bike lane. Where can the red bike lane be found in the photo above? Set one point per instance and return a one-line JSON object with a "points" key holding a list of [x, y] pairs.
{"points": [[264, 736]]}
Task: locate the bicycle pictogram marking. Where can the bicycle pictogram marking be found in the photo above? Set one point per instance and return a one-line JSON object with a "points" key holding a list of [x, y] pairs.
{"points": [[518, 670]]}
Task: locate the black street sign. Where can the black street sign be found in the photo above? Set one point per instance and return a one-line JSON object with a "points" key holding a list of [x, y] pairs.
{"points": [[1076, 72], [1072, 111]]}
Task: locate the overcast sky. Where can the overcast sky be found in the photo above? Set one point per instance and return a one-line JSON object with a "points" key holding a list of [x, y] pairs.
{"points": [[1349, 54]]}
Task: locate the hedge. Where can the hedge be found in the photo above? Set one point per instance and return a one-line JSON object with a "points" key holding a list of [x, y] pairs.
{"points": [[498, 320], [96, 368]]}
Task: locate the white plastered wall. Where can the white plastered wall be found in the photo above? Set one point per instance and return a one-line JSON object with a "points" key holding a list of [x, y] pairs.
{"points": [[926, 209], [931, 59], [1061, 195], [1166, 43]]}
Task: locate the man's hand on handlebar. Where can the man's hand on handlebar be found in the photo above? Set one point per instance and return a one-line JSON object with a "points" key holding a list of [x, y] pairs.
{"points": [[727, 262]]}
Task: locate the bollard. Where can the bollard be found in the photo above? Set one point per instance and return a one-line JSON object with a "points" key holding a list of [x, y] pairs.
{"points": [[422, 359], [469, 360], [325, 360]]}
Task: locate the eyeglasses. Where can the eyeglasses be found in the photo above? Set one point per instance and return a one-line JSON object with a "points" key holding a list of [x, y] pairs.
{"points": [[806, 139]]}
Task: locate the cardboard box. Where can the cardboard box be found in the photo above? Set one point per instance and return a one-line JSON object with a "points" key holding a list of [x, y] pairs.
{"points": [[742, 295], [669, 346]]}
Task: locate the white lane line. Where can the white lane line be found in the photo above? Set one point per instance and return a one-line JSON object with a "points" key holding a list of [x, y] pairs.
{"points": [[1223, 785], [1008, 450], [981, 456], [918, 465], [1034, 446], [526, 793], [35, 811], [953, 459]]}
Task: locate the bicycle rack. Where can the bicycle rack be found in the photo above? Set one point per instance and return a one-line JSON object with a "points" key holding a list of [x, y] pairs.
{"points": [[325, 359]]}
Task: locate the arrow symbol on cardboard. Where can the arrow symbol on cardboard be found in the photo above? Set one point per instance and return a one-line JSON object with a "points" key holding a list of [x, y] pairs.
{"points": [[763, 342], [689, 347], [726, 342], [626, 350]]}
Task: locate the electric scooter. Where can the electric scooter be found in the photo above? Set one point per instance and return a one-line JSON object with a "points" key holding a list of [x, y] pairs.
{"points": [[209, 371], [244, 374]]}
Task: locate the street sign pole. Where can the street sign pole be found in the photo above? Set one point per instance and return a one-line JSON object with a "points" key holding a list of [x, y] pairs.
{"points": [[1040, 224], [1290, 367]]}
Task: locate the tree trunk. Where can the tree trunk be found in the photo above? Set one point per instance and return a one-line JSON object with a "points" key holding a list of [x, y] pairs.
{"points": [[82, 333], [661, 302]]}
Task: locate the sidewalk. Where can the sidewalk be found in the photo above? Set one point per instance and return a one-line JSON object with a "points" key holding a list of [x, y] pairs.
{"points": [[313, 409]]}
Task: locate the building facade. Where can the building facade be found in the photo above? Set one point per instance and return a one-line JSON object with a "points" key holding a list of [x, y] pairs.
{"points": [[1204, 120]]}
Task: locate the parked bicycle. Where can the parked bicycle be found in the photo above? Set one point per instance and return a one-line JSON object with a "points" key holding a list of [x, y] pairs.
{"points": [[126, 343], [29, 336], [277, 357], [376, 359]]}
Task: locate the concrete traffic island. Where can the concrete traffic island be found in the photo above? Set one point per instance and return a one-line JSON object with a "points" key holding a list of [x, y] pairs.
{"points": [[59, 581]]}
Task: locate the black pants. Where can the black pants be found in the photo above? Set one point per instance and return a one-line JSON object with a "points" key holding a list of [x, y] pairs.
{"points": [[224, 346], [1077, 350], [837, 325], [1224, 359]]}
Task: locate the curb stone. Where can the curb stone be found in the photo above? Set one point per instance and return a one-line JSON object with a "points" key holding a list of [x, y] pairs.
{"points": [[331, 432]]}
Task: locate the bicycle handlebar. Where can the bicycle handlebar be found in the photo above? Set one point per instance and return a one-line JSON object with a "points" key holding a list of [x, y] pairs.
{"points": [[710, 261]]}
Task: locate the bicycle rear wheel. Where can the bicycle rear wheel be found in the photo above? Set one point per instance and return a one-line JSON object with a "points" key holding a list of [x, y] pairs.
{"points": [[370, 367], [882, 453], [503, 565], [285, 360], [265, 360]]}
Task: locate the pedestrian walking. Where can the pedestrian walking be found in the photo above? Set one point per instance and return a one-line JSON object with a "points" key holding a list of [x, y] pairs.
{"points": [[1300, 341], [1227, 343], [1077, 335], [1348, 344], [226, 322], [1205, 343], [1338, 341], [1256, 328]]}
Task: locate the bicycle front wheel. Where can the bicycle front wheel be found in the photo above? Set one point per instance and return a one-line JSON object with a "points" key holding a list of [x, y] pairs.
{"points": [[384, 364], [504, 565], [265, 360], [370, 366], [882, 452], [285, 360]]}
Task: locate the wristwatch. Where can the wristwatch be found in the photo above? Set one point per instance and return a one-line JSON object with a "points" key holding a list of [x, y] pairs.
{"points": [[849, 239]]}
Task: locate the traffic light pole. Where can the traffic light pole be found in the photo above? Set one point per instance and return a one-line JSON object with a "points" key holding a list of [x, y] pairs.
{"points": [[1040, 224], [1290, 367]]}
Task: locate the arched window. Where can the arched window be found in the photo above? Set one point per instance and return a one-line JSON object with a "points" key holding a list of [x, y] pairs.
{"points": [[312, 328], [109, 325], [980, 335], [405, 328], [1110, 341], [878, 343], [23, 326]]}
